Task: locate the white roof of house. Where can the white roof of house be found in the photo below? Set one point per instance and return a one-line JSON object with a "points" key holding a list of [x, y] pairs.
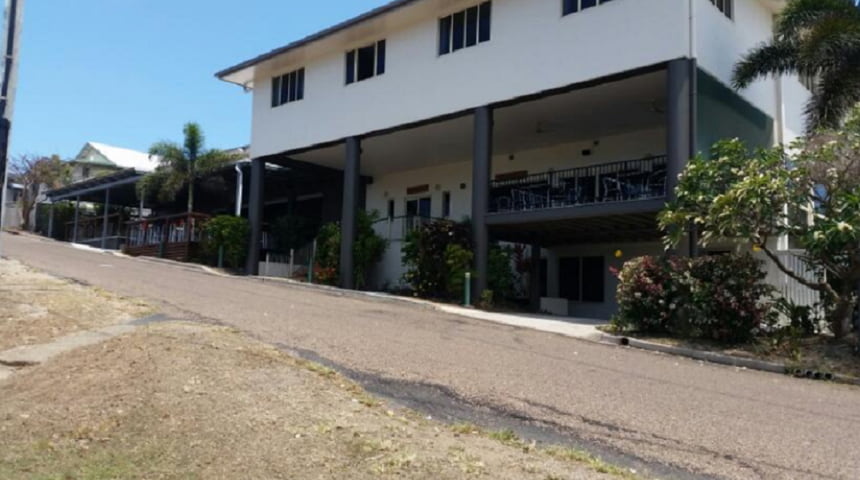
{"points": [[127, 158]]}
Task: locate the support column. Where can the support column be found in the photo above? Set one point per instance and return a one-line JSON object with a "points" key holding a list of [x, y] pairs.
{"points": [[680, 126], [77, 216], [482, 156], [105, 219], [534, 278], [553, 289], [51, 221], [255, 215], [349, 212]]}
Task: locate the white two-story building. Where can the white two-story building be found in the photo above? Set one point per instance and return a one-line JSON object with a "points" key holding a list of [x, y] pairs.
{"points": [[561, 124]]}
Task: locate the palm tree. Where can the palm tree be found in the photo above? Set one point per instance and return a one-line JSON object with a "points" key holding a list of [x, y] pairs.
{"points": [[818, 39], [181, 165]]}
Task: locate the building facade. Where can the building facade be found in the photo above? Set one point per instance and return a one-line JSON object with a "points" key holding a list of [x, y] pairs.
{"points": [[561, 124]]}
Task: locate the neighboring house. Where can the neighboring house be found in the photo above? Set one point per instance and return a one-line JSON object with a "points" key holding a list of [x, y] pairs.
{"points": [[97, 159], [12, 211], [562, 124], [102, 176]]}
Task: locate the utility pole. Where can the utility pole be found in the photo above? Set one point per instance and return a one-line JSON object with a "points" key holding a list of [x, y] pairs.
{"points": [[11, 33]]}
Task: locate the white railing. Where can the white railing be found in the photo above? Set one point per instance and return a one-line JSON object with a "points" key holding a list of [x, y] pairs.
{"points": [[295, 263], [787, 286]]}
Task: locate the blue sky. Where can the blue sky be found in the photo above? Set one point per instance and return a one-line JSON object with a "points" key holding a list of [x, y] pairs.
{"points": [[132, 72]]}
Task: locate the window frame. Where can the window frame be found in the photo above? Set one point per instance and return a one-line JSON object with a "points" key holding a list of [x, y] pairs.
{"points": [[465, 28], [570, 7], [294, 91], [352, 63], [726, 7]]}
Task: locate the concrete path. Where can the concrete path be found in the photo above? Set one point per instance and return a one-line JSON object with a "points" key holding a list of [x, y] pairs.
{"points": [[696, 419], [29, 355]]}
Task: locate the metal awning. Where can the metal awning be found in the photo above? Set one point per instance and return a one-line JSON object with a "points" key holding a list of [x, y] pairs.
{"points": [[92, 190]]}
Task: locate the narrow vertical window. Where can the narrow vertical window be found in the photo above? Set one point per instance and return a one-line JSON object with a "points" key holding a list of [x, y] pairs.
{"points": [[391, 209], [445, 36], [301, 94], [484, 22], [294, 87], [446, 204], [276, 91], [350, 67], [471, 26], [380, 57], [459, 26]]}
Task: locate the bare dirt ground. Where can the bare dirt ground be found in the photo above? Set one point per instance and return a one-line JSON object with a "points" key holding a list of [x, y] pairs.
{"points": [[35, 307], [184, 400], [179, 400]]}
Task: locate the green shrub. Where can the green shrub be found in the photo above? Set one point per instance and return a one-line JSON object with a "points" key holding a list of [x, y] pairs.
{"points": [[424, 254], [458, 261], [367, 251], [722, 298], [501, 275], [231, 234]]}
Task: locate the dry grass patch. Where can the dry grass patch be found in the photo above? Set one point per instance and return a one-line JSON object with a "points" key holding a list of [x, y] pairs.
{"points": [[35, 307], [191, 401]]}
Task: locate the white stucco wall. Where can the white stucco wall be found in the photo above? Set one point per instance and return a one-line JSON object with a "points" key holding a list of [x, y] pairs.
{"points": [[533, 48]]}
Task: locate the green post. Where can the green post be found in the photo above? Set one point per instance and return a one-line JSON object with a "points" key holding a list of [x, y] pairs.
{"points": [[221, 256], [467, 300], [311, 263]]}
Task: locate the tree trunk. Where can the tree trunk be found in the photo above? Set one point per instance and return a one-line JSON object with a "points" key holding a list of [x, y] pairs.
{"points": [[843, 314], [191, 196]]}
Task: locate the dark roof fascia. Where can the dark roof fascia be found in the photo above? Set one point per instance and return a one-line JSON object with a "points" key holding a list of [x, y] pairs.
{"points": [[376, 12], [105, 182]]}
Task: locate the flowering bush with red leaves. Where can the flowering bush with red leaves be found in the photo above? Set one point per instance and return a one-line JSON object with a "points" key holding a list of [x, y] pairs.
{"points": [[722, 298]]}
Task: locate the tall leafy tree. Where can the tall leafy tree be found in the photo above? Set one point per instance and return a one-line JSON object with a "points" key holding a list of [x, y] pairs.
{"points": [[182, 165], [36, 174], [818, 39], [742, 195]]}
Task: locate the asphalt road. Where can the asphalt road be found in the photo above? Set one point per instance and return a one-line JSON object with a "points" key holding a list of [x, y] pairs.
{"points": [[698, 419]]}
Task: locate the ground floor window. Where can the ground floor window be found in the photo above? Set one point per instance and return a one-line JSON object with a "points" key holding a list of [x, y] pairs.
{"points": [[581, 279]]}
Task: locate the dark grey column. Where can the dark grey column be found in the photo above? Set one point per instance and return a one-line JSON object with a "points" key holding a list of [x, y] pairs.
{"points": [[255, 215], [680, 127], [534, 278], [77, 215], [105, 219], [482, 155], [349, 212], [51, 221]]}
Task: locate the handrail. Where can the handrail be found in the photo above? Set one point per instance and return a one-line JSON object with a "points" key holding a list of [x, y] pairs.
{"points": [[169, 229], [628, 180], [170, 217]]}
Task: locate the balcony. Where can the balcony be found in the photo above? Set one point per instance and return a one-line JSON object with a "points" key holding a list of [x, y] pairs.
{"points": [[396, 229], [627, 181], [176, 237]]}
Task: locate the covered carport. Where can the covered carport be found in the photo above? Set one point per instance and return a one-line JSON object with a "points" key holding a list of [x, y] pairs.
{"points": [[114, 190]]}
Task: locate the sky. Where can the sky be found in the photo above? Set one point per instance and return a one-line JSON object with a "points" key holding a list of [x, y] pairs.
{"points": [[132, 72]]}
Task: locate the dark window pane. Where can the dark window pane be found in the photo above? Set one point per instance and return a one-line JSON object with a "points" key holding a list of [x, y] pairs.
{"points": [[380, 57], [294, 85], [569, 278], [593, 272], [350, 67], [366, 62], [276, 91], [570, 6], [301, 87], [472, 26], [485, 22], [588, 3], [285, 89], [446, 204], [459, 26], [445, 35]]}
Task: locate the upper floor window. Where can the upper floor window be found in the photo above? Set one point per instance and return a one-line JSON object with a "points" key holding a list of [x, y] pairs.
{"points": [[289, 87], [466, 28], [365, 62], [724, 6], [573, 6]]}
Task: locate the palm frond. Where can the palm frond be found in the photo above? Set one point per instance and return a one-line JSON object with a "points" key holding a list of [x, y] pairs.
{"points": [[837, 93], [778, 58], [831, 44], [194, 140], [801, 15], [170, 155]]}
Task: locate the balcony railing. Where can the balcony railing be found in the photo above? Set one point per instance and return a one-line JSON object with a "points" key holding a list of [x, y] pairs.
{"points": [[630, 180], [398, 228], [176, 237]]}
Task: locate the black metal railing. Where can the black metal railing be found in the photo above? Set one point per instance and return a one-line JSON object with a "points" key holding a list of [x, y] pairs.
{"points": [[398, 228], [630, 180]]}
